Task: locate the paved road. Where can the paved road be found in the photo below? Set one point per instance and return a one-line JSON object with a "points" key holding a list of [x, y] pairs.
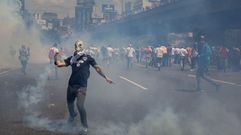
{"points": [[141, 102]]}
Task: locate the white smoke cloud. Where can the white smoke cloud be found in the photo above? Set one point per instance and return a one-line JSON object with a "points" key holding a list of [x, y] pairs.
{"points": [[30, 100], [9, 24], [14, 33], [158, 122], [44, 123], [211, 117], [33, 95]]}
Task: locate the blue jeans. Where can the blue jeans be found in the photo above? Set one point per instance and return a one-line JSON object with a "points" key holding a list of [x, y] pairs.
{"points": [[129, 62], [78, 92]]}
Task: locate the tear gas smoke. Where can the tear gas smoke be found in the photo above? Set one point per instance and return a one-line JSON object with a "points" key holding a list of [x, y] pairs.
{"points": [[31, 98], [14, 33], [33, 95], [213, 119], [8, 25]]}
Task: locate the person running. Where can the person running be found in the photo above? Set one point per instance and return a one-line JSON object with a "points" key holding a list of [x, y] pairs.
{"points": [[203, 63], [130, 56], [110, 51], [24, 57], [159, 55], [194, 56], [223, 58], [77, 87], [147, 51], [183, 57], [103, 51]]}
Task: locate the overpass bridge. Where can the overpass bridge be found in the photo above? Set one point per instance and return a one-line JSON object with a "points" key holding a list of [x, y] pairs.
{"points": [[211, 17]]}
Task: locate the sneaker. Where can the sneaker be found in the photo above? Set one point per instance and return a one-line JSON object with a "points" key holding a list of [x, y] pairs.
{"points": [[83, 131]]}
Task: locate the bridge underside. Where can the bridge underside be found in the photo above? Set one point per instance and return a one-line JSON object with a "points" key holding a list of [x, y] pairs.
{"points": [[211, 17]]}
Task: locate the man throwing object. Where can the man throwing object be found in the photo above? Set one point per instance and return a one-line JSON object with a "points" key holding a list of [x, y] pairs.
{"points": [[77, 87]]}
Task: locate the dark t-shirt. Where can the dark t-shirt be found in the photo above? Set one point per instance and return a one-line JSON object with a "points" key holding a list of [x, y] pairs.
{"points": [[80, 70]]}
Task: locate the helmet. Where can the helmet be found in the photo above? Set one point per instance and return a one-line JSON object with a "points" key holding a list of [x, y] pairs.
{"points": [[79, 45]]}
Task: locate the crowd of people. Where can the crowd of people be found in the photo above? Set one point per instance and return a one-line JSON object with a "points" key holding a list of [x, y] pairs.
{"points": [[186, 57]]}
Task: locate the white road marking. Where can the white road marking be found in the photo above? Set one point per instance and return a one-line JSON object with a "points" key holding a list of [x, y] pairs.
{"points": [[134, 83], [220, 81], [190, 75], [3, 73]]}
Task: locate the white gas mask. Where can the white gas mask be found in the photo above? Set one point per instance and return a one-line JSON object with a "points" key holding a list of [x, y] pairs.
{"points": [[79, 46], [79, 51]]}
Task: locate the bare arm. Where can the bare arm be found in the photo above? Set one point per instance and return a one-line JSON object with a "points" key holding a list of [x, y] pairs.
{"points": [[101, 73]]}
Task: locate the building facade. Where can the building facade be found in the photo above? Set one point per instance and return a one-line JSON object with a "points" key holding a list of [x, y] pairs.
{"points": [[128, 8], [83, 14], [141, 5], [109, 12]]}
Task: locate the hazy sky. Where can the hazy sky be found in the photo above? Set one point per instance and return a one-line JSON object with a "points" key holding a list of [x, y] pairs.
{"points": [[62, 7]]}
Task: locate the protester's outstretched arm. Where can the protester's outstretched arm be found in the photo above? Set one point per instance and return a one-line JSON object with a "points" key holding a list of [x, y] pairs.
{"points": [[58, 62], [101, 73]]}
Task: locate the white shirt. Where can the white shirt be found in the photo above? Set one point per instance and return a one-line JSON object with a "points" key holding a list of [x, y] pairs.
{"points": [[183, 52], [130, 52], [110, 51], [159, 52]]}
